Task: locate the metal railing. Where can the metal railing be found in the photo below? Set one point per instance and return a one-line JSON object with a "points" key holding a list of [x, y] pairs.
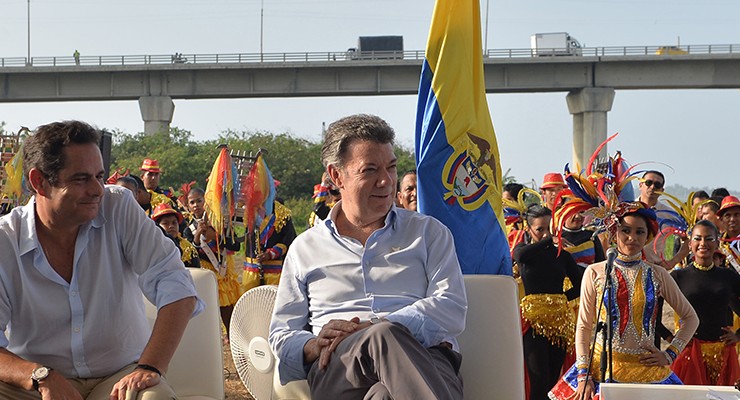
{"points": [[350, 56]]}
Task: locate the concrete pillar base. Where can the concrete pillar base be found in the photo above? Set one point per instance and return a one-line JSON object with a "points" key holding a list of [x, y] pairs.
{"points": [[157, 112], [589, 107]]}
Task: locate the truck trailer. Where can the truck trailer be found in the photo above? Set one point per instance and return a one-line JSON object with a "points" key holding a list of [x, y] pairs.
{"points": [[555, 44], [377, 48]]}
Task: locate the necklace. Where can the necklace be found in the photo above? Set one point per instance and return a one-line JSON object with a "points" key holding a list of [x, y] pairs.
{"points": [[629, 259], [701, 267]]}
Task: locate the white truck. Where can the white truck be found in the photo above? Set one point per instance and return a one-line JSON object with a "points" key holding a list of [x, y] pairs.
{"points": [[555, 44]]}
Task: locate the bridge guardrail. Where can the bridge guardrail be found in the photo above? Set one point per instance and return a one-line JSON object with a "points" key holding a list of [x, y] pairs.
{"points": [[337, 56]]}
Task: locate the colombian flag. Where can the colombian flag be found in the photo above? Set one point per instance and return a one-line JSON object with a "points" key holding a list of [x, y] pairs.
{"points": [[458, 171]]}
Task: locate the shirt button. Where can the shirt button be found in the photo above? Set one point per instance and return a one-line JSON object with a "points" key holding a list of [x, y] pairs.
{"points": [[73, 294], [77, 330], [79, 364]]}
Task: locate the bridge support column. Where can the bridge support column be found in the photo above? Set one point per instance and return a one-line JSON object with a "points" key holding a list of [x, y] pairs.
{"points": [[156, 111], [589, 107]]}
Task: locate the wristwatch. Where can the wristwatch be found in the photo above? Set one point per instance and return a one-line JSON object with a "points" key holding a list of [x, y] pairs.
{"points": [[38, 375]]}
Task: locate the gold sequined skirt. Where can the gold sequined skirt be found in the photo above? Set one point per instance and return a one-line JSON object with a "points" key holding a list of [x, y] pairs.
{"points": [[550, 316]]}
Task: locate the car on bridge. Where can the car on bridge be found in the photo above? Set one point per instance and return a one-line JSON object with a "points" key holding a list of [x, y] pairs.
{"points": [[670, 50]]}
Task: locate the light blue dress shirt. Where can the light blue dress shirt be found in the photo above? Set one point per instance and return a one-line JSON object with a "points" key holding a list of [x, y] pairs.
{"points": [[407, 272], [94, 325]]}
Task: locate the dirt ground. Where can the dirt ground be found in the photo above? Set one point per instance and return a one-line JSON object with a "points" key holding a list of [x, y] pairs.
{"points": [[233, 386]]}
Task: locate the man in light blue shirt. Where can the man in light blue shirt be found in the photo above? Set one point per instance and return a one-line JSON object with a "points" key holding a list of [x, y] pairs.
{"points": [[75, 261], [371, 299]]}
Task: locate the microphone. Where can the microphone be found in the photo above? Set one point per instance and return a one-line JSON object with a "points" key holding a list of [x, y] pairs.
{"points": [[611, 255]]}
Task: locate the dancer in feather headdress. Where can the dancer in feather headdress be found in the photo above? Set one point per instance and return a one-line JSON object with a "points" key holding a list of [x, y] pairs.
{"points": [[634, 289], [269, 225], [210, 229]]}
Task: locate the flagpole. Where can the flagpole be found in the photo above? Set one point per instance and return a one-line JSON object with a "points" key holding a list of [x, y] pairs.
{"points": [[262, 25], [485, 45], [28, 15]]}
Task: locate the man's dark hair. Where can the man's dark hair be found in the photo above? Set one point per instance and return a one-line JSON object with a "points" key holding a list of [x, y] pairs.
{"points": [[513, 188], [714, 204], [128, 180], [701, 195], [197, 190], [409, 172], [139, 183], [652, 171], [44, 150], [345, 131], [707, 224], [720, 192], [537, 211]]}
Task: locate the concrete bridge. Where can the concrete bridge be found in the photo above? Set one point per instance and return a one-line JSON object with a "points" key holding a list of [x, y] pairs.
{"points": [[590, 80]]}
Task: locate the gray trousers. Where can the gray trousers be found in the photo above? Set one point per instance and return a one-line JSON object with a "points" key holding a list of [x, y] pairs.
{"points": [[384, 361]]}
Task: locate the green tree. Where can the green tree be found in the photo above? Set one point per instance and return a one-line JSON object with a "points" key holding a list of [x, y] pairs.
{"points": [[295, 162], [181, 158]]}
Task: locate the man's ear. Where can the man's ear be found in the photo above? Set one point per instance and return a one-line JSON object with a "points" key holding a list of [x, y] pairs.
{"points": [[336, 175], [37, 181]]}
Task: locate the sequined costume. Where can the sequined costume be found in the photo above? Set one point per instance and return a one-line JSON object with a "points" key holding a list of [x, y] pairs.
{"points": [[276, 233], [548, 323], [637, 287], [219, 258], [713, 292], [157, 199]]}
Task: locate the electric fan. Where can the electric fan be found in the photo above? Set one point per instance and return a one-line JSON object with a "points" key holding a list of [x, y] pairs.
{"points": [[250, 325], [253, 358]]}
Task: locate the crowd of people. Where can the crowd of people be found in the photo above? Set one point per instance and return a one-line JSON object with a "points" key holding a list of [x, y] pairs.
{"points": [[375, 313], [682, 253]]}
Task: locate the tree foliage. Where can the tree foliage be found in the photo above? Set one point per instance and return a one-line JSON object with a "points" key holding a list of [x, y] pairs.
{"points": [[293, 161]]}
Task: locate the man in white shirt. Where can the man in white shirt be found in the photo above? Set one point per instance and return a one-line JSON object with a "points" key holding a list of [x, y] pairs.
{"points": [[75, 261], [371, 299]]}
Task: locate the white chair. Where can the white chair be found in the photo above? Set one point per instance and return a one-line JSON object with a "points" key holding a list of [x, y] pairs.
{"points": [[196, 369], [491, 346]]}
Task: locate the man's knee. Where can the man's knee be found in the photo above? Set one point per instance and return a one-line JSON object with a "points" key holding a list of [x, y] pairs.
{"points": [[389, 329]]}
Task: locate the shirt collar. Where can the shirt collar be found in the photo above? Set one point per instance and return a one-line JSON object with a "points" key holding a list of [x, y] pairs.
{"points": [[391, 219], [29, 239]]}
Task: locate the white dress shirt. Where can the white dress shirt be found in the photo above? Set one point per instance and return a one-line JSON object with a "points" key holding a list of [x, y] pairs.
{"points": [[407, 272], [95, 324]]}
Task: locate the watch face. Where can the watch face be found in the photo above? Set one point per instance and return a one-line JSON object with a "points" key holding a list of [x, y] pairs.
{"points": [[40, 373]]}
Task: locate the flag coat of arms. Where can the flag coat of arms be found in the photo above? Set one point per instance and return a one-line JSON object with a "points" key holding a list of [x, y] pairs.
{"points": [[458, 170]]}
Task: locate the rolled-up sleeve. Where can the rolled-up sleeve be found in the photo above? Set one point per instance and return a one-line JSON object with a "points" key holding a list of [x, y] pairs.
{"points": [[440, 316], [288, 328], [163, 277]]}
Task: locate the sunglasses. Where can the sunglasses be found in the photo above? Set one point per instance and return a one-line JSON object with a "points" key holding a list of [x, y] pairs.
{"points": [[656, 184]]}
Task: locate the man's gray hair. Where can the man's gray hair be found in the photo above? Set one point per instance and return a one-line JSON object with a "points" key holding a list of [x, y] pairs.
{"points": [[343, 132]]}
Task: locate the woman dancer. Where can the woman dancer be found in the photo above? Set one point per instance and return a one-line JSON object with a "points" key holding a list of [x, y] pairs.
{"points": [[548, 321], [710, 357], [637, 285]]}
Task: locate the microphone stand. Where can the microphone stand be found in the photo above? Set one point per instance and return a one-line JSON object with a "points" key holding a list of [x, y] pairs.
{"points": [[605, 327], [608, 336]]}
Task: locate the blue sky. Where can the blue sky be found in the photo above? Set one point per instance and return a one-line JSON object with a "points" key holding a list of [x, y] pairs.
{"points": [[694, 132]]}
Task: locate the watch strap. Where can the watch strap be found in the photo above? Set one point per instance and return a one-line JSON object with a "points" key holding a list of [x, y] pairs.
{"points": [[148, 367]]}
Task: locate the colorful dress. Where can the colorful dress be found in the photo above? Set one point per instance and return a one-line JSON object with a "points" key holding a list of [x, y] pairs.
{"points": [[713, 292], [637, 286], [219, 258], [276, 233]]}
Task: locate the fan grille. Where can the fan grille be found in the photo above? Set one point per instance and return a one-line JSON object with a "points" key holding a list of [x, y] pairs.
{"points": [[251, 318]]}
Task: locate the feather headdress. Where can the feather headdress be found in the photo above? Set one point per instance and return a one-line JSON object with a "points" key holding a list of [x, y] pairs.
{"points": [[602, 192], [514, 210], [258, 191], [220, 193], [677, 221]]}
